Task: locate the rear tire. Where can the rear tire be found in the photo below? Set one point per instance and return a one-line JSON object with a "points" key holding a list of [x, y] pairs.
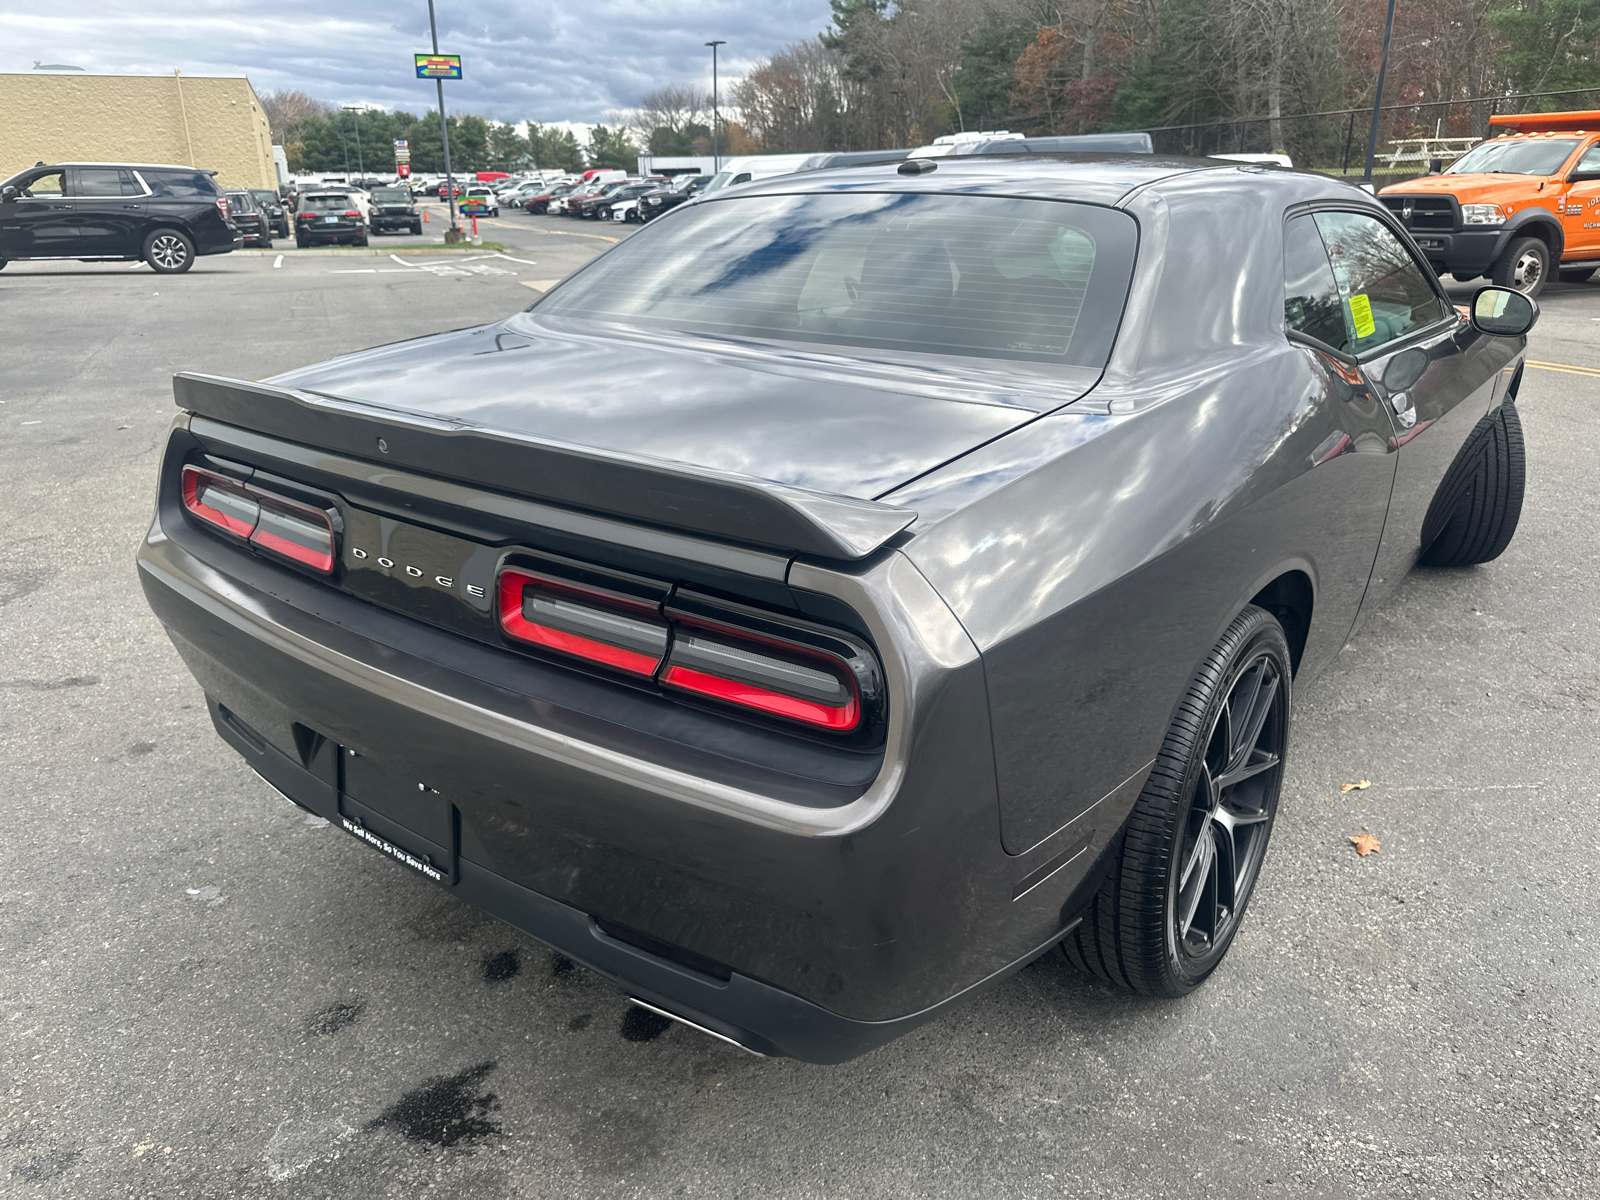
{"points": [[168, 252], [416, 228], [302, 243], [1524, 266], [1475, 512], [1192, 850], [1578, 275]]}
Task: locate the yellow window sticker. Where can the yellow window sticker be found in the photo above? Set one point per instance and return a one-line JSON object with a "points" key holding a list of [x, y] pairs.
{"points": [[1361, 314]]}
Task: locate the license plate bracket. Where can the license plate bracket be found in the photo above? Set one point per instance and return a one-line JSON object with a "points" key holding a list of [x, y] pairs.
{"points": [[400, 816]]}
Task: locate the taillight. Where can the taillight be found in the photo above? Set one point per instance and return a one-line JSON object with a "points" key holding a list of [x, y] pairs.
{"points": [[594, 624], [222, 206], [693, 646], [281, 526], [220, 501], [354, 212], [305, 216], [781, 680]]}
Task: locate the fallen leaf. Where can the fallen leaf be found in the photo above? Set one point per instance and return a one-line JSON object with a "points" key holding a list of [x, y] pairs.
{"points": [[1359, 785], [1366, 844]]}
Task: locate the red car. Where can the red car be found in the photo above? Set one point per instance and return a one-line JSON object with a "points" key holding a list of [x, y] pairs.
{"points": [[444, 190], [540, 203]]}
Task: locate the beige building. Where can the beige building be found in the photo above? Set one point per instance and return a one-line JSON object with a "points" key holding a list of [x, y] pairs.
{"points": [[211, 122]]}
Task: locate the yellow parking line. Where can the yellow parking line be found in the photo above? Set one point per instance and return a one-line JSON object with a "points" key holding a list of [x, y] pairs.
{"points": [[1565, 368]]}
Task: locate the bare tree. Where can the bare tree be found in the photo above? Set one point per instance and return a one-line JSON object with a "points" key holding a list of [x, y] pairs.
{"points": [[287, 110], [675, 108]]}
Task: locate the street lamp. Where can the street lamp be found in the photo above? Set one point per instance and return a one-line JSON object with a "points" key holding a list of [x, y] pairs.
{"points": [[716, 145], [1377, 101], [453, 234], [355, 119]]}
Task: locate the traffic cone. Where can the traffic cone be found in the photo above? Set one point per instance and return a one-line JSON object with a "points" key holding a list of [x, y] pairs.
{"points": [[424, 216]]}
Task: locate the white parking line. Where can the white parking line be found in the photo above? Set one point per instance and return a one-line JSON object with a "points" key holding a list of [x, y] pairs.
{"points": [[277, 262], [355, 271]]}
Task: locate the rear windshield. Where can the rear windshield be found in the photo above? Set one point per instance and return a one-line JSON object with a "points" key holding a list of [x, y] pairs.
{"points": [[181, 185], [1515, 156], [327, 203], [987, 276], [242, 201]]}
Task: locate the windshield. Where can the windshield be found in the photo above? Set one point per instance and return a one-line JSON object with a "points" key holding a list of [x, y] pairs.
{"points": [[1515, 156], [718, 181], [991, 277], [392, 195]]}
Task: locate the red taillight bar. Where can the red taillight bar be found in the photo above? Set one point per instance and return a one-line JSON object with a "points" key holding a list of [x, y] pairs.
{"points": [[776, 703], [782, 680], [585, 623], [276, 524]]}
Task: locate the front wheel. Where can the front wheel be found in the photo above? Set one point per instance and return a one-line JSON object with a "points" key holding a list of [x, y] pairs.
{"points": [[168, 252], [1476, 509], [1524, 265], [1193, 847]]}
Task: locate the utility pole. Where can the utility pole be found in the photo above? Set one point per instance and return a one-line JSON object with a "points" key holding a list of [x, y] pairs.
{"points": [[1377, 101], [716, 124], [355, 119], [453, 234]]}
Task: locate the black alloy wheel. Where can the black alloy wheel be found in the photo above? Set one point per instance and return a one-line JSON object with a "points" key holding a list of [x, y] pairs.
{"points": [[1173, 901], [168, 252]]}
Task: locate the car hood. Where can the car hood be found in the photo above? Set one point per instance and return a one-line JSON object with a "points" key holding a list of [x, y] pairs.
{"points": [[1476, 188], [792, 415]]}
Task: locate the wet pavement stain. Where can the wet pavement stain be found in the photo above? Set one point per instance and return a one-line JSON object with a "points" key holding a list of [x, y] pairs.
{"points": [[42, 1168], [580, 1022], [331, 1018], [497, 968], [642, 1025], [445, 1110], [561, 965], [139, 748]]}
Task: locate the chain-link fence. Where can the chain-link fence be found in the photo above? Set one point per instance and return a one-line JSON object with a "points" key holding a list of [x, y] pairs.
{"points": [[1410, 136]]}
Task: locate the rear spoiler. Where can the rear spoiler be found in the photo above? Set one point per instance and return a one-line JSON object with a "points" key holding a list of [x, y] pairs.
{"points": [[721, 504]]}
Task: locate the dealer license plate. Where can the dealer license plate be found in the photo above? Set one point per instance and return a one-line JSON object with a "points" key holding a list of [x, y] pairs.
{"points": [[330, 220]]}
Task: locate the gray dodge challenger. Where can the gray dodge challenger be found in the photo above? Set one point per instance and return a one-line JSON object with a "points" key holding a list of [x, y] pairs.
{"points": [[928, 588]]}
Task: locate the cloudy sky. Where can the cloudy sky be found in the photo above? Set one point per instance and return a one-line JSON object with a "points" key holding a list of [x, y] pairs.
{"points": [[544, 60]]}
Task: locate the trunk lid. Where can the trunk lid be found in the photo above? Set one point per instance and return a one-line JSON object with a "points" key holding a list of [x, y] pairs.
{"points": [[798, 418]]}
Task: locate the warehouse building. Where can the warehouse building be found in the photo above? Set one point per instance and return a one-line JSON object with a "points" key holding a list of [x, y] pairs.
{"points": [[215, 123]]}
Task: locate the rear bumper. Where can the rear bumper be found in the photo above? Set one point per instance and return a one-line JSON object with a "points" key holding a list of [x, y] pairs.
{"points": [[829, 930]]}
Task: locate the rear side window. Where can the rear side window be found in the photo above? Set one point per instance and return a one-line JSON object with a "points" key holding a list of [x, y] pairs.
{"points": [[182, 185], [106, 181], [1386, 295], [242, 201], [985, 276], [1311, 304]]}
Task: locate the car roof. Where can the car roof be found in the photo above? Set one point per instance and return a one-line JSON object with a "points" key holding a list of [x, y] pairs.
{"points": [[135, 165], [1095, 178]]}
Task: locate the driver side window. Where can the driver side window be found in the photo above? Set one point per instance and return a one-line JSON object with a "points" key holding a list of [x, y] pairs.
{"points": [[1385, 295], [50, 186]]}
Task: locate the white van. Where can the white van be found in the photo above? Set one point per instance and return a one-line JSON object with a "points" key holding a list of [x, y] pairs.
{"points": [[959, 143], [753, 166]]}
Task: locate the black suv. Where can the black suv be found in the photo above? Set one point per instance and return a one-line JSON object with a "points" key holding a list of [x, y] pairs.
{"points": [[269, 202], [393, 209], [253, 224], [99, 212], [330, 217]]}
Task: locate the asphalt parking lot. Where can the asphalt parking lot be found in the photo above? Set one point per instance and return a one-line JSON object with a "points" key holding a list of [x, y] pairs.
{"points": [[205, 993]]}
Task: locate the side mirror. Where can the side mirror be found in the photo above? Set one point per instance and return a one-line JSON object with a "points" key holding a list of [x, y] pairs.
{"points": [[1503, 312], [7, 194], [1404, 369]]}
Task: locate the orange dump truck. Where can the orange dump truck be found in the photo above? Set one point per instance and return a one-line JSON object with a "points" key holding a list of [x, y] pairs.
{"points": [[1517, 208]]}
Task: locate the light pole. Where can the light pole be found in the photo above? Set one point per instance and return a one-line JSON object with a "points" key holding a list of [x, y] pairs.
{"points": [[716, 144], [1377, 101], [453, 234], [355, 119]]}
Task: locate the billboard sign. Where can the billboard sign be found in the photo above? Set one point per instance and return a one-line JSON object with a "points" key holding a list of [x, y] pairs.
{"points": [[438, 66]]}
